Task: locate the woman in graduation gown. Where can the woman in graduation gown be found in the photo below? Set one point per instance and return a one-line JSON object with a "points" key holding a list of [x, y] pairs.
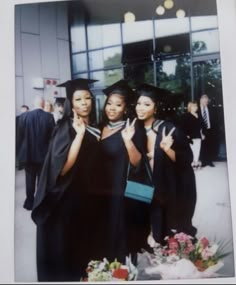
{"points": [[120, 146], [62, 208], [170, 159]]}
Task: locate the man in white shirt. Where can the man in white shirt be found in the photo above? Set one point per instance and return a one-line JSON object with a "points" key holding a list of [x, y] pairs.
{"points": [[208, 142]]}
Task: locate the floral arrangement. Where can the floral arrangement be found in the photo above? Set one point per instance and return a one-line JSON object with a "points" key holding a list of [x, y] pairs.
{"points": [[185, 257], [115, 271]]}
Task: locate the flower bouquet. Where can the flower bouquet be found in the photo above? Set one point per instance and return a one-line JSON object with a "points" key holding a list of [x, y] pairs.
{"points": [[186, 258], [115, 271]]}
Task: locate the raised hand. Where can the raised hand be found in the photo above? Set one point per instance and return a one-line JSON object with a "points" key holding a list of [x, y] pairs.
{"points": [[167, 140], [78, 124], [129, 130]]}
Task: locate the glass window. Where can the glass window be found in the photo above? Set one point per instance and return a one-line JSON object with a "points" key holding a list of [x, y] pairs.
{"points": [[78, 39], [105, 58], [103, 35], [174, 74], [139, 73], [80, 75], [79, 62], [205, 42], [137, 31], [204, 22], [168, 27], [107, 77]]}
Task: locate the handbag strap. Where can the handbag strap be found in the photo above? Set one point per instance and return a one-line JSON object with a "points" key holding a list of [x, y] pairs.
{"points": [[147, 169]]}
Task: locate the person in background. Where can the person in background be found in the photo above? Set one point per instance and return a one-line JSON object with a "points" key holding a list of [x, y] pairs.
{"points": [[58, 108], [63, 208], [193, 127], [23, 109], [34, 131], [170, 157], [48, 107], [209, 143]]}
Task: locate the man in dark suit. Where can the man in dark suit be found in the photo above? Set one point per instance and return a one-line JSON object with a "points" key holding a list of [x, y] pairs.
{"points": [[208, 142], [35, 128]]}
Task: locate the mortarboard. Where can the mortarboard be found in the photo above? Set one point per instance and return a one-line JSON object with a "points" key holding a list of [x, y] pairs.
{"points": [[153, 92], [121, 87], [76, 84], [59, 100]]}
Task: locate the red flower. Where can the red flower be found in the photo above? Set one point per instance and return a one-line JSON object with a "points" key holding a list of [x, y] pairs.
{"points": [[173, 244], [121, 273], [204, 242], [200, 265]]}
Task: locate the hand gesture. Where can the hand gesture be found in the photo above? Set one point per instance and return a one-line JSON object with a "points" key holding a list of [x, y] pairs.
{"points": [[129, 130], [167, 140], [78, 124]]}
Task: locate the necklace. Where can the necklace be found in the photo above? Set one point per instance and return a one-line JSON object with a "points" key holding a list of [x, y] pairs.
{"points": [[116, 125]]}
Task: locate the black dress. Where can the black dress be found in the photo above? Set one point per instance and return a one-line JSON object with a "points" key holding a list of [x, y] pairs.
{"points": [[174, 199], [192, 126], [63, 209], [126, 222]]}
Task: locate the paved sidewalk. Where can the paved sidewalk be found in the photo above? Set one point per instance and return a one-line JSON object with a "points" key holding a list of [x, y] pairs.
{"points": [[212, 218]]}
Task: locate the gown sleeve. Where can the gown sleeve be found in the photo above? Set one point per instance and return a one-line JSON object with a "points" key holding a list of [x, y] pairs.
{"points": [[51, 185], [181, 147]]}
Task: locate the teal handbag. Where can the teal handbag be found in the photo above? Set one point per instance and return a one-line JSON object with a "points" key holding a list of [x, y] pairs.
{"points": [[139, 191]]}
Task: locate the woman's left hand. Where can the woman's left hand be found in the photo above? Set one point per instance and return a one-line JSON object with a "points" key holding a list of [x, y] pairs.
{"points": [[129, 130], [167, 140]]}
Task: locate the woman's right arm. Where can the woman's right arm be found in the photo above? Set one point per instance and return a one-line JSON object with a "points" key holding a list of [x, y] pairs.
{"points": [[79, 127]]}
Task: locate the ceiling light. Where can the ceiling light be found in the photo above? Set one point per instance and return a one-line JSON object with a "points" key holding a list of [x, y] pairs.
{"points": [[160, 10], [167, 48], [129, 17], [169, 4], [180, 13]]}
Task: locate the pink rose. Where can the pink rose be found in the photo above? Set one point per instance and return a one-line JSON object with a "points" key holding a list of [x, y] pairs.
{"points": [[205, 242]]}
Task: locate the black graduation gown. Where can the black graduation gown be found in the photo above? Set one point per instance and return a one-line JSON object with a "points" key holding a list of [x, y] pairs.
{"points": [[191, 125], [174, 199], [125, 221], [34, 129], [62, 209]]}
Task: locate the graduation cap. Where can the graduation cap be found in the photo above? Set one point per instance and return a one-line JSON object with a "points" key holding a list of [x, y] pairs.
{"points": [[59, 100], [155, 93], [76, 84], [120, 87]]}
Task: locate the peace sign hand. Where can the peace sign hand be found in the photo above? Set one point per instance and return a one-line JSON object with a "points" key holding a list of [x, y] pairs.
{"points": [[78, 124], [167, 140], [129, 130]]}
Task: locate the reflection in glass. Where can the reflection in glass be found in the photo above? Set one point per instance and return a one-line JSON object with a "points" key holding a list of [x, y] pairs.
{"points": [[174, 75], [168, 27], [105, 58], [80, 75], [204, 22], [79, 62], [103, 35], [139, 73], [205, 42], [78, 38], [137, 31], [106, 77], [172, 46]]}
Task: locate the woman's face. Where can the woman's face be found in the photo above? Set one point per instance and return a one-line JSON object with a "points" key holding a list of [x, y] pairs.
{"points": [[47, 107], [194, 108], [145, 108], [115, 107], [82, 103]]}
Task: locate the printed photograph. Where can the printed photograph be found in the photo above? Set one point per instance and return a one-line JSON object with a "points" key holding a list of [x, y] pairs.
{"points": [[121, 167]]}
